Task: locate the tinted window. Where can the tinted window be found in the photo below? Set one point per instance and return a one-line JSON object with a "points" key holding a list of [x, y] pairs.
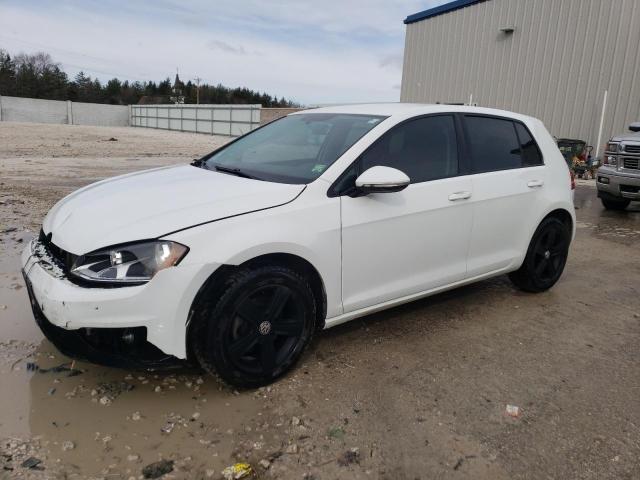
{"points": [[424, 149], [530, 152], [493, 143]]}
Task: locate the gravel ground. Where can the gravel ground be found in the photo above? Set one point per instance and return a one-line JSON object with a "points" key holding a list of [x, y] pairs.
{"points": [[419, 391]]}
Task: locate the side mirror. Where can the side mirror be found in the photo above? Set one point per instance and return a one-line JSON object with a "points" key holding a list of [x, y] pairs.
{"points": [[382, 180], [635, 127]]}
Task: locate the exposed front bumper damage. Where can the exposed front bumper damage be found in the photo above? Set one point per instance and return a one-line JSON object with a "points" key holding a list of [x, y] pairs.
{"points": [[613, 183], [140, 325]]}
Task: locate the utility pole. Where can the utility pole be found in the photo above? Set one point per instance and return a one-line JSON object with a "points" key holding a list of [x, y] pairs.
{"points": [[197, 79]]}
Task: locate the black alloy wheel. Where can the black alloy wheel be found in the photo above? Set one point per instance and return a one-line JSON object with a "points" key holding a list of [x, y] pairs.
{"points": [[265, 330], [546, 257], [258, 328], [550, 253]]}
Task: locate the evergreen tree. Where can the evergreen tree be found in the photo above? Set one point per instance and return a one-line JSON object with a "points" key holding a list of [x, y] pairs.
{"points": [[38, 76]]}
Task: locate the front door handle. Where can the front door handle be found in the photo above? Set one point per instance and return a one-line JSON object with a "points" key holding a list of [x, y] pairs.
{"points": [[535, 184], [459, 196]]}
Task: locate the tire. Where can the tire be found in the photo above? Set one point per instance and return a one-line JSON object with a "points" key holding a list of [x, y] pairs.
{"points": [[546, 257], [615, 204], [255, 328]]}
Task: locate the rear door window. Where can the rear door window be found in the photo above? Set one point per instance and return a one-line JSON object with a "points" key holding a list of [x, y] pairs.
{"points": [[493, 144]]}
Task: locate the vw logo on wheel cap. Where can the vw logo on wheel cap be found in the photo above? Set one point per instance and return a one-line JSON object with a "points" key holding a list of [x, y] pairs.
{"points": [[265, 328]]}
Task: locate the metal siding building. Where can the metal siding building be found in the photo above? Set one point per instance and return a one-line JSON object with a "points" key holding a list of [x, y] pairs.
{"points": [[556, 65]]}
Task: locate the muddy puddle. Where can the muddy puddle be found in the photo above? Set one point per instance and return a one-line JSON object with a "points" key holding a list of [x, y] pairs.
{"points": [[620, 227], [86, 421]]}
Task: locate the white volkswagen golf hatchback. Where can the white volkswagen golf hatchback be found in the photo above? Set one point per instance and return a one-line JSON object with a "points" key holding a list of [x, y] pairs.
{"points": [[315, 219]]}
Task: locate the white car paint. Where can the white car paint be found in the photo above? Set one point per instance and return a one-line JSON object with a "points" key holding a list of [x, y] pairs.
{"points": [[151, 203], [371, 252]]}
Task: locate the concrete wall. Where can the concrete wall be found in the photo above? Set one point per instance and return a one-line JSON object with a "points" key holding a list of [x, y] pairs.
{"points": [[232, 120], [17, 109], [555, 66], [100, 114]]}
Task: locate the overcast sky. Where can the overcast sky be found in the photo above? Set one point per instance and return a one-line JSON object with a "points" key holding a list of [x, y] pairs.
{"points": [[313, 52]]}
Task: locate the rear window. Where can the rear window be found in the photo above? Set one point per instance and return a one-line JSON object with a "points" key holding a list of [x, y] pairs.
{"points": [[500, 144]]}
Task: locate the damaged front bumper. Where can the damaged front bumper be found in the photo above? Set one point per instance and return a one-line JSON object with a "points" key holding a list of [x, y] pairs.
{"points": [[113, 347], [140, 325]]}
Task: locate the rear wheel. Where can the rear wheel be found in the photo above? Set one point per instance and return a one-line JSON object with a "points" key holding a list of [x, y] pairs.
{"points": [[610, 204], [257, 328], [546, 257]]}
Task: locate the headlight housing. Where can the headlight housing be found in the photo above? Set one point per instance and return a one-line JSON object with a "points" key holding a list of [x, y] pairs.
{"points": [[613, 147], [133, 263]]}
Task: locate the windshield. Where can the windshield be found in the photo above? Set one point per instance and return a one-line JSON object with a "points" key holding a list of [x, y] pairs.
{"points": [[294, 149]]}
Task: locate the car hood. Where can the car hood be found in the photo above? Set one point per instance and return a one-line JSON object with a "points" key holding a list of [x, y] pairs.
{"points": [[152, 203], [626, 137]]}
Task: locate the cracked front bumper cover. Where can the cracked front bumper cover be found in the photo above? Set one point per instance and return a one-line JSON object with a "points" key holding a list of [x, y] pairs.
{"points": [[113, 347]]}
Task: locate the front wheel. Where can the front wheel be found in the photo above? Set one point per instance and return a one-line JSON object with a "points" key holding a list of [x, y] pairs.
{"points": [[615, 204], [257, 328], [546, 257]]}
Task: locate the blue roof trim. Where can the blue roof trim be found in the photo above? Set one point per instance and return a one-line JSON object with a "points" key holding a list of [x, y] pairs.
{"points": [[435, 11]]}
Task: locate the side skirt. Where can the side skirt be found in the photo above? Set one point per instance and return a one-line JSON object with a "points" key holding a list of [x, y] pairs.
{"points": [[345, 317]]}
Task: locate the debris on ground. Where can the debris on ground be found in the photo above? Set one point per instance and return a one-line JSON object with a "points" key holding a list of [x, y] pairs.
{"points": [[513, 411], [350, 456], [168, 427], [68, 445], [113, 139], [237, 471], [461, 461], [63, 367], [107, 392], [158, 469], [32, 463]]}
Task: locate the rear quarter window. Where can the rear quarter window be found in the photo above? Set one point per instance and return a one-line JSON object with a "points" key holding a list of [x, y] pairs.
{"points": [[531, 155]]}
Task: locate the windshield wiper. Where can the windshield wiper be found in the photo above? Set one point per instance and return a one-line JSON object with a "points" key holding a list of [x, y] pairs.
{"points": [[234, 171]]}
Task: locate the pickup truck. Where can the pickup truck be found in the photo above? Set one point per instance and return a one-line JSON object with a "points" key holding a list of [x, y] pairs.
{"points": [[618, 179]]}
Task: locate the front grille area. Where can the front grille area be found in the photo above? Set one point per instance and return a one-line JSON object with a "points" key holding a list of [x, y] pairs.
{"points": [[632, 163], [629, 189], [632, 148], [63, 259]]}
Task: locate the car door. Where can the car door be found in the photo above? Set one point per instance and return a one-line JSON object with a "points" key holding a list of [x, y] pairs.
{"points": [[508, 179], [402, 243]]}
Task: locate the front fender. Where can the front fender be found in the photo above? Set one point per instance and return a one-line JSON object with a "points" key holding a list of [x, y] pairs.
{"points": [[309, 231]]}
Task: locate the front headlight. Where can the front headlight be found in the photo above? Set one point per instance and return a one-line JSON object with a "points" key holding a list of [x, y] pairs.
{"points": [[133, 263]]}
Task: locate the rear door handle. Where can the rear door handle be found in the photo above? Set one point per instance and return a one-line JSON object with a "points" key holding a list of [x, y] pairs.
{"points": [[535, 184], [459, 196]]}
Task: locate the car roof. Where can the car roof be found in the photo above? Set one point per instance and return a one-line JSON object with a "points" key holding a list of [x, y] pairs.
{"points": [[410, 109]]}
